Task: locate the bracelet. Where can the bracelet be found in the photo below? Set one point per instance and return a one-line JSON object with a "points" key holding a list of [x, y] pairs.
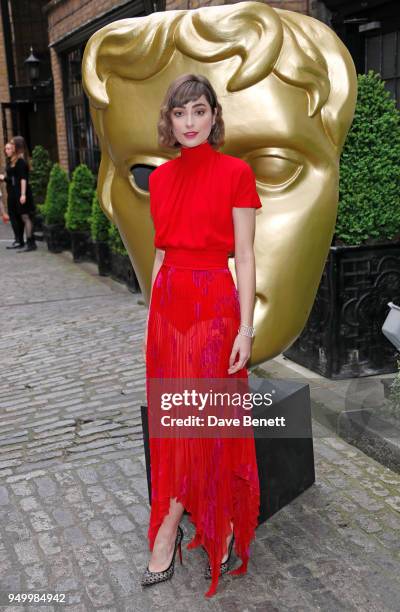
{"points": [[247, 330]]}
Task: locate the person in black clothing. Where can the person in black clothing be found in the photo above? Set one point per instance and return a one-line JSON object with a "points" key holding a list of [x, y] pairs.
{"points": [[15, 218], [23, 193]]}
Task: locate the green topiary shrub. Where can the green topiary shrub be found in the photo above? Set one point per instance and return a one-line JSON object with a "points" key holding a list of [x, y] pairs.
{"points": [[99, 222], [80, 196], [40, 173], [115, 241], [369, 190], [56, 200], [394, 397]]}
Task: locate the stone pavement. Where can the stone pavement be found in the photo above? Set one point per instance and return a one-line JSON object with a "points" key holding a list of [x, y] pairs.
{"points": [[73, 490]]}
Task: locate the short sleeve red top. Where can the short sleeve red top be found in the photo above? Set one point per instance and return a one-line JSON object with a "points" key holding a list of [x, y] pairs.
{"points": [[192, 196]]}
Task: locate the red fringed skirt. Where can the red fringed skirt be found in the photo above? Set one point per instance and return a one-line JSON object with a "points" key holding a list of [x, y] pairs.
{"points": [[193, 321]]}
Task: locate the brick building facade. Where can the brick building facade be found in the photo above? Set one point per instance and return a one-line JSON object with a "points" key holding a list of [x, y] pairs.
{"points": [[69, 24], [25, 109], [69, 16], [58, 117]]}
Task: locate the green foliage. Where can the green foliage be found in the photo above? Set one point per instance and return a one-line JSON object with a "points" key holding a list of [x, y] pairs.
{"points": [[99, 222], [80, 196], [40, 172], [55, 204], [369, 191], [115, 241], [394, 396]]}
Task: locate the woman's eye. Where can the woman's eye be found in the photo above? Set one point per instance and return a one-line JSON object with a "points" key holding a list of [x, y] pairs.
{"points": [[176, 113]]}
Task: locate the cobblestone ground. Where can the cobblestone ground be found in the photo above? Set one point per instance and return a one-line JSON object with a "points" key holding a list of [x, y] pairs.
{"points": [[73, 491]]}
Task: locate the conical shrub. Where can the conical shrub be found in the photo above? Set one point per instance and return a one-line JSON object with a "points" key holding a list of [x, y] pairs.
{"points": [[40, 173], [80, 196], [56, 200], [115, 241], [99, 222], [369, 188]]}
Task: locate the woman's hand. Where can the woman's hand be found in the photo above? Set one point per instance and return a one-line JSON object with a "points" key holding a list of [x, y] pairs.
{"points": [[22, 199], [242, 349], [1, 177]]}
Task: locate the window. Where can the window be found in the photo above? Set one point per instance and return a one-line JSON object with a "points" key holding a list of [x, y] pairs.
{"points": [[382, 54], [83, 145]]}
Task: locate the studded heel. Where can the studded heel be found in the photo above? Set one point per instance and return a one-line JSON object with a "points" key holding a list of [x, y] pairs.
{"points": [[149, 577], [225, 565]]}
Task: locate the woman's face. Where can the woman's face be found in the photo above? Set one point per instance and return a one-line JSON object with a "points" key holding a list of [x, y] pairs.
{"points": [[192, 123], [9, 149]]}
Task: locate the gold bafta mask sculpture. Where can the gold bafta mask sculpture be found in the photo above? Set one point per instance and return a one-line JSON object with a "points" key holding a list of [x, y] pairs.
{"points": [[287, 86]]}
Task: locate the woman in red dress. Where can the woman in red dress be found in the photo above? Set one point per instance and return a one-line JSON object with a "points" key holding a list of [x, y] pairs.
{"points": [[200, 326]]}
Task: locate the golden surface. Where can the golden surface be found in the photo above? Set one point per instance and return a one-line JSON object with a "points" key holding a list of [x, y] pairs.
{"points": [[287, 86]]}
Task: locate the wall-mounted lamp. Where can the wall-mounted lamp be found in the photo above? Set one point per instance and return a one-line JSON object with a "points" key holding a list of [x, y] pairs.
{"points": [[32, 64]]}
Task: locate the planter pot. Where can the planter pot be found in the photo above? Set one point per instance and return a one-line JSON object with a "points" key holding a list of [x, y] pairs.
{"points": [[131, 280], [92, 251], [343, 335], [38, 225], [57, 237], [103, 257], [79, 244], [121, 270]]}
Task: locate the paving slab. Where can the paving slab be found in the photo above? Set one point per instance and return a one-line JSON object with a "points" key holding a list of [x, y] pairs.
{"points": [[73, 490]]}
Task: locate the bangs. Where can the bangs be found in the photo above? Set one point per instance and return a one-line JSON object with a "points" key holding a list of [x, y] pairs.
{"points": [[189, 92]]}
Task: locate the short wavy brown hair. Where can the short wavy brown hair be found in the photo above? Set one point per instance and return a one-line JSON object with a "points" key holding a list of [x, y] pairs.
{"points": [[187, 88]]}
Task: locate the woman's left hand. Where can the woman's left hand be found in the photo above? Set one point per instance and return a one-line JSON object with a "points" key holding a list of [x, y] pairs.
{"points": [[22, 199], [242, 349]]}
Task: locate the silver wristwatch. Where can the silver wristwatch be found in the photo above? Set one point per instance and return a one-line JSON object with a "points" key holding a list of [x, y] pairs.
{"points": [[247, 330]]}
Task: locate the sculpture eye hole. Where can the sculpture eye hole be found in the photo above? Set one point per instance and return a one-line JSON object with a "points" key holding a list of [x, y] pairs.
{"points": [[275, 171], [140, 174]]}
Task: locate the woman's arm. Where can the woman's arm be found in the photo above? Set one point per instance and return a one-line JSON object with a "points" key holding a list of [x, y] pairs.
{"points": [[2, 207], [158, 260], [23, 187], [245, 267], [22, 171]]}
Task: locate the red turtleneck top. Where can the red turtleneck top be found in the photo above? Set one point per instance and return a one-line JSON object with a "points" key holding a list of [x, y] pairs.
{"points": [[192, 196]]}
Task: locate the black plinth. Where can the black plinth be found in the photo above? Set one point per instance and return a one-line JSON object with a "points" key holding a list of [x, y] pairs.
{"points": [[285, 459]]}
